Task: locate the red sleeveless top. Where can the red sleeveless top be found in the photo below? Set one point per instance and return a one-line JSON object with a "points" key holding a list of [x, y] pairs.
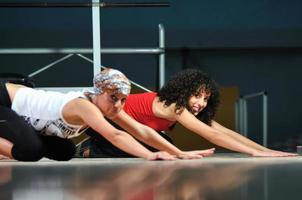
{"points": [[139, 107]]}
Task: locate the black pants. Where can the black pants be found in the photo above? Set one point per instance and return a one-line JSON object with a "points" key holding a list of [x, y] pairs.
{"points": [[28, 145]]}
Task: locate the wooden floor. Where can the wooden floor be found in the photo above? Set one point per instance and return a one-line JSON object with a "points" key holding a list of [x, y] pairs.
{"points": [[223, 176]]}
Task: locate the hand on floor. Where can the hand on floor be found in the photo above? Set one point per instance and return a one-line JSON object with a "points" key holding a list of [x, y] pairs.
{"points": [[282, 153], [2, 157], [161, 155], [197, 154], [273, 153]]}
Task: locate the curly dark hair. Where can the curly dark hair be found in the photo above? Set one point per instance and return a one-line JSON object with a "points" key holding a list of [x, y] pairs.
{"points": [[186, 83]]}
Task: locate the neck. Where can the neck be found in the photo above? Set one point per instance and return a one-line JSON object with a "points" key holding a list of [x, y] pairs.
{"points": [[91, 97]]}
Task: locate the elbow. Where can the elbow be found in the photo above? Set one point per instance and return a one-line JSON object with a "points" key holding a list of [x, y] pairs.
{"points": [[115, 136]]}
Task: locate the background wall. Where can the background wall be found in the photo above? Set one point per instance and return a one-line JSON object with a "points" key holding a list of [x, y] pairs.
{"points": [[254, 46]]}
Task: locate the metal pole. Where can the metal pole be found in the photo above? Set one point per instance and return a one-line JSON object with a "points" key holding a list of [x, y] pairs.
{"points": [[264, 114], [245, 125], [237, 116], [133, 83], [80, 51], [249, 96], [75, 4], [241, 114], [136, 4], [265, 119], [161, 56], [49, 65], [96, 31]]}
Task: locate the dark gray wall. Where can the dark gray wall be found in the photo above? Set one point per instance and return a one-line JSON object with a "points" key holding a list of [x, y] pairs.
{"points": [[254, 45]]}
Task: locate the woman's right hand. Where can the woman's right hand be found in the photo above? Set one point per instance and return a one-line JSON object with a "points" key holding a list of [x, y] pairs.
{"points": [[2, 157]]}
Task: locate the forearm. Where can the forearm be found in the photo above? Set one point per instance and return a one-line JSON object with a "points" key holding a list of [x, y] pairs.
{"points": [[157, 141], [238, 137], [230, 143], [148, 135], [246, 141], [212, 134], [125, 142]]}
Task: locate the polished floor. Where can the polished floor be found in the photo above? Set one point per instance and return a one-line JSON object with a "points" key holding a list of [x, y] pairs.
{"points": [[223, 176]]}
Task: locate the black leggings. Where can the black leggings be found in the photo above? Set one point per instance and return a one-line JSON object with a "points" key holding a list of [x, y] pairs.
{"points": [[29, 145]]}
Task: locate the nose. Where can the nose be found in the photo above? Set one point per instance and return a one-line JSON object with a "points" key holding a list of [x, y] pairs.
{"points": [[202, 103]]}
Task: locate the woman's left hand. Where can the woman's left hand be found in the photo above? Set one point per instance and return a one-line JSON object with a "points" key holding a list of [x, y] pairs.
{"points": [[282, 153], [161, 155], [204, 153]]}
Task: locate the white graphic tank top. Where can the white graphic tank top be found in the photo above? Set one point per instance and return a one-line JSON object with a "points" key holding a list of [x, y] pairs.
{"points": [[43, 111]]}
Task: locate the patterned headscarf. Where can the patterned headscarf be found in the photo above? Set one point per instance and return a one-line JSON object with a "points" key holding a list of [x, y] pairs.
{"points": [[111, 79]]}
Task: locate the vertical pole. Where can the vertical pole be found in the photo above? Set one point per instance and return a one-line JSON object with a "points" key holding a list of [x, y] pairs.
{"points": [[237, 116], [265, 119], [161, 61], [241, 119], [245, 125], [96, 32]]}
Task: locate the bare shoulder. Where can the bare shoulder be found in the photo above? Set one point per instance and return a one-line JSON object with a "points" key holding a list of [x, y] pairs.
{"points": [[76, 110], [186, 117], [79, 104], [12, 89], [163, 111], [13, 85]]}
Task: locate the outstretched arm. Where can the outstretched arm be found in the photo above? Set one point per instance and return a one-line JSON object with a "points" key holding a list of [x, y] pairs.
{"points": [[245, 140], [237, 136], [91, 116], [218, 137], [152, 138]]}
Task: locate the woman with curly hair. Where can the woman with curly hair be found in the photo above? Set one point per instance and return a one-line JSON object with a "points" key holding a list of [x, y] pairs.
{"points": [[190, 98]]}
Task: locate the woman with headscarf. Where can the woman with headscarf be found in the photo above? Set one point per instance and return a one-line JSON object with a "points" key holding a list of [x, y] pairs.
{"points": [[36, 123]]}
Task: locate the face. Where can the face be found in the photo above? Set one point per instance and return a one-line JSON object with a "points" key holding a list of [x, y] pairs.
{"points": [[199, 101], [110, 103]]}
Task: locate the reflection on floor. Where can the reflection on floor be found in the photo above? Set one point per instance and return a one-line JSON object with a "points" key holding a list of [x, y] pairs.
{"points": [[223, 176]]}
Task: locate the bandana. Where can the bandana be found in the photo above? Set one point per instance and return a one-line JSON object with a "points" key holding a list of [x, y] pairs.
{"points": [[111, 79]]}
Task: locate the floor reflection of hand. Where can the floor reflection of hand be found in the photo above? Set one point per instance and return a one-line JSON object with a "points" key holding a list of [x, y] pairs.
{"points": [[5, 174], [196, 181], [163, 180]]}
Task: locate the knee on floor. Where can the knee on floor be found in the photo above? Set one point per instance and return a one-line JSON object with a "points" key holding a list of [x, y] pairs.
{"points": [[33, 152]]}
